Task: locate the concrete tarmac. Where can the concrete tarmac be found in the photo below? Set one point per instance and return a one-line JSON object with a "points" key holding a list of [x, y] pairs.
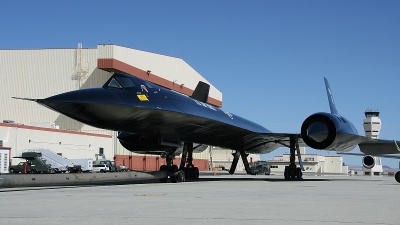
{"points": [[221, 199]]}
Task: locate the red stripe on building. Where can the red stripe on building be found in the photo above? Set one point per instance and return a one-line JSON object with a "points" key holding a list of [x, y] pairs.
{"points": [[114, 65], [53, 130]]}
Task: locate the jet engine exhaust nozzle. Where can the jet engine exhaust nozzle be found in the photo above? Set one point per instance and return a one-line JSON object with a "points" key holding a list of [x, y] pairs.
{"points": [[368, 162], [318, 131]]}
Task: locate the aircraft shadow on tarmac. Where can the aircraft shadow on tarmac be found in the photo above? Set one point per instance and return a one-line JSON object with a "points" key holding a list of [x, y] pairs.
{"points": [[255, 179]]}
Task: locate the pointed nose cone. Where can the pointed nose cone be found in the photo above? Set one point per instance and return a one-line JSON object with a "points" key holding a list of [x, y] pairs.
{"points": [[89, 106]]}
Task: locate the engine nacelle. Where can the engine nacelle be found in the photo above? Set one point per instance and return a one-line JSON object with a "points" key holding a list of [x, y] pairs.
{"points": [[145, 144], [328, 131], [368, 162], [318, 131]]}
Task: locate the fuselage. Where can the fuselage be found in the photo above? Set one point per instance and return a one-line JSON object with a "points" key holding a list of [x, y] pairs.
{"points": [[128, 104], [131, 105]]}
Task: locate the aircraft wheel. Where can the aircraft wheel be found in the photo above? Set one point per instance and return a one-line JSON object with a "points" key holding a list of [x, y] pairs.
{"points": [[292, 174], [397, 176], [181, 176], [189, 172], [286, 173], [196, 173], [174, 169], [164, 168], [299, 174], [173, 179]]}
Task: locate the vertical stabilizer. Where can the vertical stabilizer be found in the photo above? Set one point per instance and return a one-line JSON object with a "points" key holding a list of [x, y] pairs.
{"points": [[201, 92], [330, 98]]}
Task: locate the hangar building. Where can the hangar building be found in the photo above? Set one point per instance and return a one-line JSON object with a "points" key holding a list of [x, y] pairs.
{"points": [[41, 73]]}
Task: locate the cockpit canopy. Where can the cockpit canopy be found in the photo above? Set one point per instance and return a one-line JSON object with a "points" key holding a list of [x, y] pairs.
{"points": [[127, 82]]}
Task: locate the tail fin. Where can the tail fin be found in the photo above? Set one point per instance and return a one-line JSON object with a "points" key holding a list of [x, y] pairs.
{"points": [[330, 98], [201, 92]]}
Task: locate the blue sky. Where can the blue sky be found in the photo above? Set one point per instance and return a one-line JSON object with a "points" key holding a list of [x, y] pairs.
{"points": [[268, 58]]}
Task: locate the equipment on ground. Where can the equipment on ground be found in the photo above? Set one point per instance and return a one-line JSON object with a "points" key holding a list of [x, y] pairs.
{"points": [[57, 162], [33, 164], [260, 167], [86, 165]]}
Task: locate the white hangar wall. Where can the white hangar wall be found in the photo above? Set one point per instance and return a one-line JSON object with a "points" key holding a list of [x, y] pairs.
{"points": [[70, 144], [41, 74]]}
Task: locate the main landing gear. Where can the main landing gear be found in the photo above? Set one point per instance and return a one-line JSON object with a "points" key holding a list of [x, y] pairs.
{"points": [[182, 173], [292, 172], [191, 172]]}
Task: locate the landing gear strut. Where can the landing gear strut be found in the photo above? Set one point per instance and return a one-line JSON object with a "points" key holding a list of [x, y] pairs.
{"points": [[235, 161], [292, 172], [190, 171]]}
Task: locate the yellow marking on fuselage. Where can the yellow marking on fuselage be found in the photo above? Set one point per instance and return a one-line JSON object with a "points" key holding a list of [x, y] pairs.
{"points": [[142, 97]]}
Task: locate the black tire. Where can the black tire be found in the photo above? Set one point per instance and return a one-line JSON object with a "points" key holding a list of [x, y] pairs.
{"points": [[292, 174], [12, 171], [34, 171], [196, 173], [189, 173], [397, 176], [299, 174], [181, 176], [174, 169], [173, 179], [286, 173], [163, 168]]}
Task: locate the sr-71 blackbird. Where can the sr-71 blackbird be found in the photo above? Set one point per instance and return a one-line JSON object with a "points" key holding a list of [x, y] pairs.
{"points": [[154, 120]]}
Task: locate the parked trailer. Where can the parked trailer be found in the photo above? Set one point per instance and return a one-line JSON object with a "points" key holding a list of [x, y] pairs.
{"points": [[86, 164]]}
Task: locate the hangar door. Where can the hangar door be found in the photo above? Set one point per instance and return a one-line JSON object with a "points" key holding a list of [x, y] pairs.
{"points": [[4, 159]]}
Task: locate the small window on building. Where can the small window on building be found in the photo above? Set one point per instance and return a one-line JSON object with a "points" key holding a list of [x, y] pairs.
{"points": [[5, 166], [101, 151]]}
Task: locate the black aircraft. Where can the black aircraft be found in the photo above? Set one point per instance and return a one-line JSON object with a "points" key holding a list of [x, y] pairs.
{"points": [[153, 120]]}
